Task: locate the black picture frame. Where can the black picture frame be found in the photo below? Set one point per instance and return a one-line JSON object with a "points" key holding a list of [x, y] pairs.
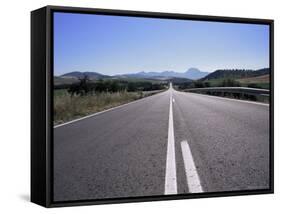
{"points": [[42, 104]]}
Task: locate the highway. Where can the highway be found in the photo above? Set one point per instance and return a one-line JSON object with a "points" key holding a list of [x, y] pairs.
{"points": [[169, 143]]}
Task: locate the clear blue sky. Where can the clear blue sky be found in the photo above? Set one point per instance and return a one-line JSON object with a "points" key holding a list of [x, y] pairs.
{"points": [[117, 45]]}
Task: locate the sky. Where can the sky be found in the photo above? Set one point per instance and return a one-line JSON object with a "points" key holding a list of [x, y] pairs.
{"points": [[113, 45]]}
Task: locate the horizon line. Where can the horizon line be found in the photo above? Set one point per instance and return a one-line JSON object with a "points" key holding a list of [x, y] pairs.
{"points": [[162, 71]]}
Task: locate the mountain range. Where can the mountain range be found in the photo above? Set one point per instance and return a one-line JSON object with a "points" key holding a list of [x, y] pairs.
{"points": [[192, 73]]}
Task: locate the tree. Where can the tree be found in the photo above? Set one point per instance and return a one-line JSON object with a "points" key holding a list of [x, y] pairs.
{"points": [[82, 88]]}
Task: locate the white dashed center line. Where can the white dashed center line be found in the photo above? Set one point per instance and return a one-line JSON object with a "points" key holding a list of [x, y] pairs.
{"points": [[193, 180]]}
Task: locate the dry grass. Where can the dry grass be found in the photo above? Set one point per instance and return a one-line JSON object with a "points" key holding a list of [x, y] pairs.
{"points": [[256, 82], [67, 108], [258, 79]]}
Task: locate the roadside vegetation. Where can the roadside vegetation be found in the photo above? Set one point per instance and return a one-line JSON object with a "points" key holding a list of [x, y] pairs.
{"points": [[85, 97]]}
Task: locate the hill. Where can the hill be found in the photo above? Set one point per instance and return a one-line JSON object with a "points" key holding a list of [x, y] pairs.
{"points": [[235, 74], [78, 74]]}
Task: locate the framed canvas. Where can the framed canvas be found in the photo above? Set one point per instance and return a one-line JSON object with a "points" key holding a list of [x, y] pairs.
{"points": [[132, 106]]}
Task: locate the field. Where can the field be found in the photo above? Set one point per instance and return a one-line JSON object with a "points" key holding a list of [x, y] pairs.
{"points": [[67, 108], [258, 82]]}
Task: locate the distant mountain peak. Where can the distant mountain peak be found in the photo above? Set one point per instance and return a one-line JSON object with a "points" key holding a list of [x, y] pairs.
{"points": [[194, 73], [192, 69]]}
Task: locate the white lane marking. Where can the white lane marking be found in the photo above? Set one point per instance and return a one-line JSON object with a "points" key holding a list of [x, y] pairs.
{"points": [[110, 109], [225, 98], [173, 100], [193, 180], [171, 175]]}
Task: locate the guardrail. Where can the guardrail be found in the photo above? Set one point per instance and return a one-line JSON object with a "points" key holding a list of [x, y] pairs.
{"points": [[232, 90]]}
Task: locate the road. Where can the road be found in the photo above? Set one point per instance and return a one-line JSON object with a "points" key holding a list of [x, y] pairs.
{"points": [[169, 143]]}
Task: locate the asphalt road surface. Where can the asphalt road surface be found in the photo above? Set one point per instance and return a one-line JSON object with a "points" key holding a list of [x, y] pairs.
{"points": [[169, 143]]}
